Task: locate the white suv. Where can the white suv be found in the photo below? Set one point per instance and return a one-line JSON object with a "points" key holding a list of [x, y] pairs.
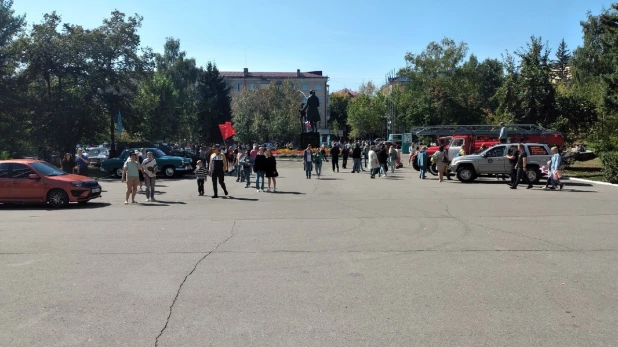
{"points": [[494, 161]]}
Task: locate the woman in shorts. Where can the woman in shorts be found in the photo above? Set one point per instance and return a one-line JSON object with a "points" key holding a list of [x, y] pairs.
{"points": [[130, 174]]}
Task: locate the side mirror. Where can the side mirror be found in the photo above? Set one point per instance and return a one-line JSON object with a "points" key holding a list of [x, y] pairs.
{"points": [[484, 155], [34, 177]]}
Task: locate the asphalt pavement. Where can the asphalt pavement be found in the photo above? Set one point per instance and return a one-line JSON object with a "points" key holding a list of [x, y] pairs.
{"points": [[340, 261]]}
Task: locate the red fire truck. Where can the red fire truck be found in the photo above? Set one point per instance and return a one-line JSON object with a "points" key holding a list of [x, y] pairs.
{"points": [[474, 137]]}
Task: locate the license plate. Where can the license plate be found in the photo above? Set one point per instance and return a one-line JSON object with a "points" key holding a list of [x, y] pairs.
{"points": [[96, 190]]}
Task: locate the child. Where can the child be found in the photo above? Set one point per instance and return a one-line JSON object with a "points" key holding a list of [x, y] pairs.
{"points": [[201, 174]]}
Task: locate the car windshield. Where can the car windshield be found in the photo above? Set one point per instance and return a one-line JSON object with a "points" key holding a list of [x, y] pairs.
{"points": [[47, 169]]}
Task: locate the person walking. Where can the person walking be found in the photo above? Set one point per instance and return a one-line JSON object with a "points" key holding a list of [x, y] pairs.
{"points": [[271, 170], [141, 155], [307, 162], [318, 158], [522, 162], [82, 163], [246, 162], [423, 162], [365, 155], [554, 169], [345, 155], [149, 172], [130, 174], [442, 163], [383, 158], [392, 158], [240, 173], [412, 151], [201, 173], [259, 166], [374, 163], [68, 164], [218, 167], [334, 155], [513, 157], [357, 153]]}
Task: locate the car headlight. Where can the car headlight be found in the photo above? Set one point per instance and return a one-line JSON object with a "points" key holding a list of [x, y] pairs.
{"points": [[78, 184]]}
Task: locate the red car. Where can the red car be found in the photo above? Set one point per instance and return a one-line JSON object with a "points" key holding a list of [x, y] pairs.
{"points": [[35, 181]]}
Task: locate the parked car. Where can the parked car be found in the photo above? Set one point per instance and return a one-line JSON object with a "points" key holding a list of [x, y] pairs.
{"points": [[270, 145], [187, 153], [493, 161], [97, 155], [36, 181], [168, 165]]}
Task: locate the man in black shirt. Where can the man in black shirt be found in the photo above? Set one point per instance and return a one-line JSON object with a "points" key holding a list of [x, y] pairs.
{"points": [[513, 157], [334, 153], [522, 162], [218, 167]]}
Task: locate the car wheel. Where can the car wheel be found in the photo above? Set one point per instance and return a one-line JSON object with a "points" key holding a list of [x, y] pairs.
{"points": [[57, 198], [466, 174], [169, 171], [415, 165], [118, 172], [534, 175]]}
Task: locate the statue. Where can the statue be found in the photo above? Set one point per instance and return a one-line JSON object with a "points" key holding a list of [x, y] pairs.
{"points": [[302, 116], [313, 114]]}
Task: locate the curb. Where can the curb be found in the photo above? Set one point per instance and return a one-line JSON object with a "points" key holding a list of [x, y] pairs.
{"points": [[590, 181]]}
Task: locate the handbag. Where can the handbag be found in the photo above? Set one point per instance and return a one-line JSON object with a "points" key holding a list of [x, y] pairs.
{"points": [[557, 175], [275, 174]]}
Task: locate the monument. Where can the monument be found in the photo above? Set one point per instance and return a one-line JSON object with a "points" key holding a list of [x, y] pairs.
{"points": [[312, 113]]}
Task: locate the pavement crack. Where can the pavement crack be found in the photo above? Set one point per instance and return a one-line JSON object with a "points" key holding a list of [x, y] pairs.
{"points": [[169, 316]]}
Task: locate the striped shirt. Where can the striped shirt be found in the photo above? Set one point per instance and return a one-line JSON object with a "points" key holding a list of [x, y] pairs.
{"points": [[200, 172]]}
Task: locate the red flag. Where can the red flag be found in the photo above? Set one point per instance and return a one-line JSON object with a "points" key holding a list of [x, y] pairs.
{"points": [[227, 130]]}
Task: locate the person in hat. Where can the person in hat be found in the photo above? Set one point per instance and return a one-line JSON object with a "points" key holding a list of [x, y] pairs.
{"points": [[503, 134]]}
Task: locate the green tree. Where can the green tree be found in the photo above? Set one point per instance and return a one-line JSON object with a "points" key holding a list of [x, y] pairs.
{"points": [[12, 86], [366, 114], [563, 57], [213, 104], [528, 96], [338, 107]]}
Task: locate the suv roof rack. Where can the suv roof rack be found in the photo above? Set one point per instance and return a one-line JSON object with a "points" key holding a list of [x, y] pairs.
{"points": [[512, 129]]}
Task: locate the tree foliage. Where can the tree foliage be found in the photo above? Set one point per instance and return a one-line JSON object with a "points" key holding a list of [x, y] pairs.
{"points": [[267, 114]]}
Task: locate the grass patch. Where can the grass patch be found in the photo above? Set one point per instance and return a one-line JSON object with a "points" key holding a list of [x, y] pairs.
{"points": [[589, 170]]}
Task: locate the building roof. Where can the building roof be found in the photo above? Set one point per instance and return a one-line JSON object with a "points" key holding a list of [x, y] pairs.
{"points": [[240, 74], [351, 93]]}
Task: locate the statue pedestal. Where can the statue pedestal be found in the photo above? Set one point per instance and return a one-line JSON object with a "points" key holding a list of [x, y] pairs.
{"points": [[312, 139]]}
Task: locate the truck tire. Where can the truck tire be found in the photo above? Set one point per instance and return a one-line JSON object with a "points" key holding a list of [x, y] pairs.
{"points": [[466, 174], [433, 169]]}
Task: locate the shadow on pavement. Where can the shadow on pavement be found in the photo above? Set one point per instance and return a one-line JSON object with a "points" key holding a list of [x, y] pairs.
{"points": [[577, 184], [293, 193], [242, 199], [170, 202], [330, 179], [71, 206]]}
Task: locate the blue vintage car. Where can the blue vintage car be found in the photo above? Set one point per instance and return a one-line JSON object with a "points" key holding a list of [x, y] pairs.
{"points": [[169, 166]]}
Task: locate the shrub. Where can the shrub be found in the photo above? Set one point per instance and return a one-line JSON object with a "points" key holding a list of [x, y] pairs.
{"points": [[610, 166], [4, 155]]}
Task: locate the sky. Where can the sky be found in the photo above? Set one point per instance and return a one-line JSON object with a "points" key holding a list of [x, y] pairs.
{"points": [[350, 41]]}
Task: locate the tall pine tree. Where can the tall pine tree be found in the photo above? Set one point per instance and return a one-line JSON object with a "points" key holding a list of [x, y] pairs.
{"points": [[213, 105], [563, 57]]}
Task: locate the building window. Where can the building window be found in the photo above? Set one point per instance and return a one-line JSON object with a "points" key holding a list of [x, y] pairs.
{"points": [[252, 86], [238, 86], [318, 87], [305, 86]]}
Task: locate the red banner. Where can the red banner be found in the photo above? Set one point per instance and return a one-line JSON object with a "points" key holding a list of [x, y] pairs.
{"points": [[227, 130]]}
